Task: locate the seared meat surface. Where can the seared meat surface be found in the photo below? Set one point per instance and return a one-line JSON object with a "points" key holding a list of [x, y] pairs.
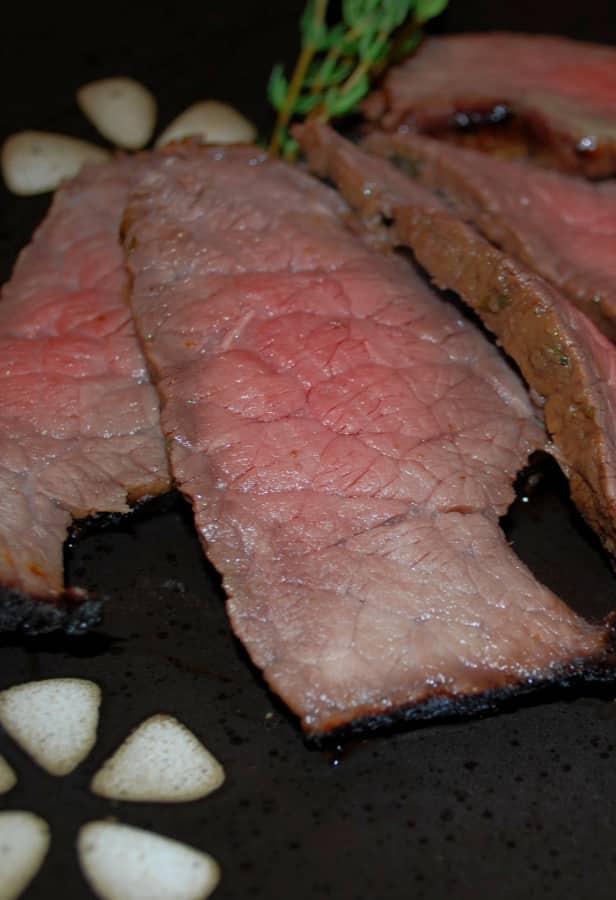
{"points": [[568, 363], [560, 226], [79, 426], [348, 443]]}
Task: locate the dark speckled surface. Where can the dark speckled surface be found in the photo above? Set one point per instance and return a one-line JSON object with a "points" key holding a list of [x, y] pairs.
{"points": [[519, 805]]}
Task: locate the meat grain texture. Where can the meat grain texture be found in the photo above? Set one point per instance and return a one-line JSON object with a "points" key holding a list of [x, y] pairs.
{"points": [[79, 424], [567, 362], [561, 92], [347, 442], [560, 226]]}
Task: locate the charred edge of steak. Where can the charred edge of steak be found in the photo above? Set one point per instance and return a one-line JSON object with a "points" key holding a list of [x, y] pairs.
{"points": [[447, 707], [73, 613]]}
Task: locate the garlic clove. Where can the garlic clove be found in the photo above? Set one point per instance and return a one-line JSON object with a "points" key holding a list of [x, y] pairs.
{"points": [[125, 863], [8, 778], [160, 761], [35, 162], [54, 721], [211, 121], [122, 109], [24, 842]]}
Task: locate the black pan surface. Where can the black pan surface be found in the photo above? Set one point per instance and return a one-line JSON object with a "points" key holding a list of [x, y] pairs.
{"points": [[516, 805]]}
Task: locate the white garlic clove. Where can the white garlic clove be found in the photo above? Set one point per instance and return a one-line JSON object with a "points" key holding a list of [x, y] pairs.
{"points": [[160, 761], [8, 778], [24, 842], [35, 162], [122, 109], [125, 863], [55, 720], [212, 122]]}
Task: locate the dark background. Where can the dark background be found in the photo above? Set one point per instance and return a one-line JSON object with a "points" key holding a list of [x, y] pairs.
{"points": [[520, 805]]}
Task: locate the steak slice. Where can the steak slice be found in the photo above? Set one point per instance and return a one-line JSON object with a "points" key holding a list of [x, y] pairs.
{"points": [[348, 443], [561, 226], [565, 359], [561, 93], [79, 427]]}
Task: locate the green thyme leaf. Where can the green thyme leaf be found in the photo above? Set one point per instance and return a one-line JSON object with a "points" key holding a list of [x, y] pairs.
{"points": [[395, 12], [304, 105], [277, 87], [336, 36], [338, 61], [339, 102], [406, 47], [314, 30], [429, 9], [290, 147], [330, 71]]}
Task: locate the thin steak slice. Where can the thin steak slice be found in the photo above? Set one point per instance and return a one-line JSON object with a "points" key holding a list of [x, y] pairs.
{"points": [[561, 92], [347, 443], [566, 360], [79, 427], [561, 226]]}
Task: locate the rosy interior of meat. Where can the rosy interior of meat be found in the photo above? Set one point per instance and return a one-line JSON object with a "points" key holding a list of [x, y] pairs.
{"points": [[563, 90], [562, 227], [347, 442], [567, 362], [79, 425]]}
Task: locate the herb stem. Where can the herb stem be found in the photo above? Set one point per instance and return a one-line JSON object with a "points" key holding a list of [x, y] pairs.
{"points": [[401, 39], [303, 64], [338, 62], [362, 68], [332, 56]]}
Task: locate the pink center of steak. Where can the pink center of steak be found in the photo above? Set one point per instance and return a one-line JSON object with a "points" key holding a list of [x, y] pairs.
{"points": [[506, 65], [561, 226], [568, 363], [79, 428], [564, 90], [347, 442]]}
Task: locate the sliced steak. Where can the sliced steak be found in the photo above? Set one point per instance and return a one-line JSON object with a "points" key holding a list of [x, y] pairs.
{"points": [[561, 226], [566, 360], [348, 443], [79, 427], [562, 93]]}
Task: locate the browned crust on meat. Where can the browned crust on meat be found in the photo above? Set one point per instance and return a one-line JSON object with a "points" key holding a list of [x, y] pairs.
{"points": [[437, 173], [441, 704], [521, 309], [518, 308]]}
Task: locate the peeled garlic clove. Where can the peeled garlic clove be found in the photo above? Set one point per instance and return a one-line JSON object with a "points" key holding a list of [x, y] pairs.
{"points": [[212, 122], [125, 863], [122, 109], [55, 720], [161, 761], [8, 779], [24, 842], [34, 162]]}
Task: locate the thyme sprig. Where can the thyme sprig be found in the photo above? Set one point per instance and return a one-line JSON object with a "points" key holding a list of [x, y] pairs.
{"points": [[337, 62]]}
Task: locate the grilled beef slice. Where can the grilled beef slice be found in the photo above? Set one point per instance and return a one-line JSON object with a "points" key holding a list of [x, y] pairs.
{"points": [[348, 443], [566, 360], [561, 94], [79, 427], [560, 226]]}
